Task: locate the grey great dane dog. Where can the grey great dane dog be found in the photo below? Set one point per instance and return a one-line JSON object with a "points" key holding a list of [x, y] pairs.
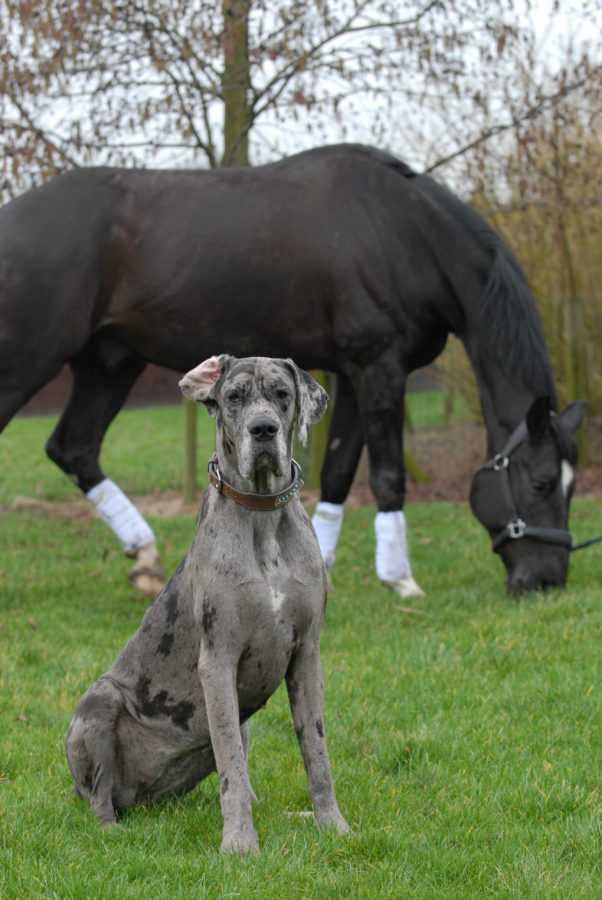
{"points": [[242, 612]]}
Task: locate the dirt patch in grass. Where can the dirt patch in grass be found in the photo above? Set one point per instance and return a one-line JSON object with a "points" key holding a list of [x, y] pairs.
{"points": [[451, 455]]}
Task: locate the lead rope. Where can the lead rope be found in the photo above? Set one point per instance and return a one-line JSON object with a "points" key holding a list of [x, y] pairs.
{"points": [[586, 543]]}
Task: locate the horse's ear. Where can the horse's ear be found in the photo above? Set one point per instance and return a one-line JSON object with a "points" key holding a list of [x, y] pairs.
{"points": [[312, 400], [200, 383], [538, 417], [572, 416]]}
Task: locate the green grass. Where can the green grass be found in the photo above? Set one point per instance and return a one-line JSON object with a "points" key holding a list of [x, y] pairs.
{"points": [[143, 450], [427, 409], [465, 741]]}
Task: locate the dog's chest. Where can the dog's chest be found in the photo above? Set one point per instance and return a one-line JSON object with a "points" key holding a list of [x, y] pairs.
{"points": [[271, 584], [288, 569]]}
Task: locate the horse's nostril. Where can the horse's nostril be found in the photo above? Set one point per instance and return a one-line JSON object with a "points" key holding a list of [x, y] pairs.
{"points": [[263, 429]]}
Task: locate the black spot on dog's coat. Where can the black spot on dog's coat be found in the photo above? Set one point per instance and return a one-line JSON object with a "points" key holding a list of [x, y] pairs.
{"points": [[159, 705], [172, 610], [165, 643], [209, 616]]}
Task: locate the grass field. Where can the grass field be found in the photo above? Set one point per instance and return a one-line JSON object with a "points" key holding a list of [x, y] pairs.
{"points": [[465, 740]]}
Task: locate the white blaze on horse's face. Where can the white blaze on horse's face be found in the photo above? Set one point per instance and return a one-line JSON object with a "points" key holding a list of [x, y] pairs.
{"points": [[567, 478]]}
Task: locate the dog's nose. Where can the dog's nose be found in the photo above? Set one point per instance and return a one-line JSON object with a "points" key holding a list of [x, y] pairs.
{"points": [[263, 429]]}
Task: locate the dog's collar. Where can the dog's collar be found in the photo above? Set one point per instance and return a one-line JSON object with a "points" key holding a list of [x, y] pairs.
{"points": [[251, 500]]}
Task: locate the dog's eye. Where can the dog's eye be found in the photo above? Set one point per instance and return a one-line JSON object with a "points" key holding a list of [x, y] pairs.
{"points": [[234, 397], [281, 394]]}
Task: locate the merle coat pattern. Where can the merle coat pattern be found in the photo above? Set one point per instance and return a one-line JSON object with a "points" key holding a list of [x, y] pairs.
{"points": [[242, 612]]}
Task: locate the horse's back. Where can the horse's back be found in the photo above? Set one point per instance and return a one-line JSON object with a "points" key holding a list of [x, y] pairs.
{"points": [[331, 253]]}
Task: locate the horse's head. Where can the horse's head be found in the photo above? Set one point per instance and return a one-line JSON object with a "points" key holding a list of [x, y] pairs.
{"points": [[522, 497]]}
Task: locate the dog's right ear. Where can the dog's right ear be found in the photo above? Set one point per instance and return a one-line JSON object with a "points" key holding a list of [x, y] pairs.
{"points": [[200, 383]]}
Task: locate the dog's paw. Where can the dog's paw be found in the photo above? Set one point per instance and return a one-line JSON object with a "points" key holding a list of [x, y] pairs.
{"points": [[240, 841], [113, 828], [332, 820]]}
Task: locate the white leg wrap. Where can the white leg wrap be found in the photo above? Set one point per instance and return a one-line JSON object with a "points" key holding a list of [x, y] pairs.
{"points": [[327, 521], [392, 559], [121, 516]]}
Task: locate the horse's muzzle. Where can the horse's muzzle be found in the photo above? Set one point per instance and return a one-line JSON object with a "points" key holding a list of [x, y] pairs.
{"points": [[531, 573]]}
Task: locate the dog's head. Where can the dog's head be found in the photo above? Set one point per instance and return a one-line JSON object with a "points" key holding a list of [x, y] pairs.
{"points": [[255, 400]]}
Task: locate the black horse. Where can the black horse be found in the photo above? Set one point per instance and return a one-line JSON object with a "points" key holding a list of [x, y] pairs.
{"points": [[340, 257]]}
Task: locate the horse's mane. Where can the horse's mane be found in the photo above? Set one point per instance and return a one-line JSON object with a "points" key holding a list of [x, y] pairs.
{"points": [[506, 308]]}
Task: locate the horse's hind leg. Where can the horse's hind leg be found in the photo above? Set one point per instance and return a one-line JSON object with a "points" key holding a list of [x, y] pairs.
{"points": [[98, 394], [380, 390], [342, 455]]}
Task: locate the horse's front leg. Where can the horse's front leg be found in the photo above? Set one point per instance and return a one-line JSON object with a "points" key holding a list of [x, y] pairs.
{"points": [[380, 391]]}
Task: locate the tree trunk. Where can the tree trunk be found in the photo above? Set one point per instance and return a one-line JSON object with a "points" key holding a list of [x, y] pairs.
{"points": [[236, 83], [237, 122]]}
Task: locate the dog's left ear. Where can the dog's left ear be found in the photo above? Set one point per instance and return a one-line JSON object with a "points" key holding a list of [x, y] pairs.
{"points": [[200, 383], [312, 400]]}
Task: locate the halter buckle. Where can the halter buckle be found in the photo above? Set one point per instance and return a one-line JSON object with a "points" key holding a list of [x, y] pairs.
{"points": [[500, 462], [516, 528]]}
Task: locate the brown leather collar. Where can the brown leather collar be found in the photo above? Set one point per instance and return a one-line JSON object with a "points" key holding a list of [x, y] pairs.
{"points": [[255, 501]]}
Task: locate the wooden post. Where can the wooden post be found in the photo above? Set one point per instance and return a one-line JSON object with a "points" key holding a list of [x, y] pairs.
{"points": [[318, 436], [189, 488]]}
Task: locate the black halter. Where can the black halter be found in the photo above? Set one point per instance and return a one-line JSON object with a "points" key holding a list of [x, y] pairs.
{"points": [[516, 527]]}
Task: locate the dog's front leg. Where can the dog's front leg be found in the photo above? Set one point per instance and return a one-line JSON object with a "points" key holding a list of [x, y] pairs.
{"points": [[219, 686], [305, 687]]}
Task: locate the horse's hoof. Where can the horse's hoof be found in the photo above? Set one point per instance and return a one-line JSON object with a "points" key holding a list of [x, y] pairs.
{"points": [[404, 586], [147, 574], [148, 584]]}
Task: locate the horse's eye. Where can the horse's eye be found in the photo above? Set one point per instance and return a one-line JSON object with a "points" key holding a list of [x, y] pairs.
{"points": [[544, 486]]}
